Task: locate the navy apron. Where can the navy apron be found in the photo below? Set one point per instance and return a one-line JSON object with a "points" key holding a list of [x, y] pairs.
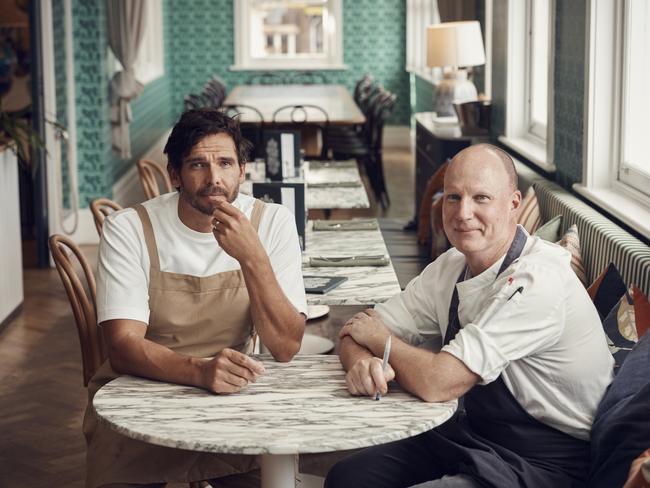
{"points": [[496, 441]]}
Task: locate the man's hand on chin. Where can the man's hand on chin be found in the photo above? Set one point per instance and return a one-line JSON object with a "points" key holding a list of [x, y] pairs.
{"points": [[235, 233]]}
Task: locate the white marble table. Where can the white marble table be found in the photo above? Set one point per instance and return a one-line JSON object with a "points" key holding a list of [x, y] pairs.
{"points": [[366, 285], [297, 407], [330, 185], [335, 185]]}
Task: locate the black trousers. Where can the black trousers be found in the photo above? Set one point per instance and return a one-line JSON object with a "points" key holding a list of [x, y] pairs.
{"points": [[402, 463]]}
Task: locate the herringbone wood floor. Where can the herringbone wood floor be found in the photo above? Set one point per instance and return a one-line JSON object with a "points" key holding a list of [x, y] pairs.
{"points": [[42, 397]]}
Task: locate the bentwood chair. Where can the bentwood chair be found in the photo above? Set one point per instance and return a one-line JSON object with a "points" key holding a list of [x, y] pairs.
{"points": [[266, 79], [194, 101], [100, 208], [303, 115], [252, 130], [306, 78], [150, 174], [68, 258]]}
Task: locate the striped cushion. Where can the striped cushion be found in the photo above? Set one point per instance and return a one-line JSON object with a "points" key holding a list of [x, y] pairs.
{"points": [[601, 240], [571, 242], [529, 215]]}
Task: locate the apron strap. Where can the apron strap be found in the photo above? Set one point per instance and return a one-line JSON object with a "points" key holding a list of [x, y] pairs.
{"points": [[149, 237], [256, 215], [513, 253]]}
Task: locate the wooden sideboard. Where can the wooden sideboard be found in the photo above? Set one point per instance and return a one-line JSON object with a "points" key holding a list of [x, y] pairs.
{"points": [[434, 145]]}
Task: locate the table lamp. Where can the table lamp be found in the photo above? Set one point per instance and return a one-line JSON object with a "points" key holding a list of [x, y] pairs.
{"points": [[456, 45]]}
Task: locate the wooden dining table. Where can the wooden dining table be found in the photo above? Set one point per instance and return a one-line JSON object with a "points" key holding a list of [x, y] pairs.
{"points": [[335, 100]]}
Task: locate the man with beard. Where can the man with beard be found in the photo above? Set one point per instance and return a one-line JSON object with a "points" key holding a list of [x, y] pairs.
{"points": [[185, 283]]}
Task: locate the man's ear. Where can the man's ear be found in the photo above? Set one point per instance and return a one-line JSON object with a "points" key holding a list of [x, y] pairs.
{"points": [[516, 200], [174, 176], [242, 172]]}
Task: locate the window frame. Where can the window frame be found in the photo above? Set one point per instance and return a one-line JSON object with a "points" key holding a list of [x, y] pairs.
{"points": [[602, 145], [521, 134], [333, 59]]}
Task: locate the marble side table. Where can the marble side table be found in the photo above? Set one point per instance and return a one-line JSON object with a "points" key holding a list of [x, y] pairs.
{"points": [[296, 407]]}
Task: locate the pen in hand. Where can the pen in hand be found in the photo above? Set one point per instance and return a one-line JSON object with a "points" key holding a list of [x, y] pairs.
{"points": [[384, 362]]}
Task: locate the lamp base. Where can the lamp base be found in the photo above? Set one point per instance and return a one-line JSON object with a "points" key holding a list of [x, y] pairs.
{"points": [[454, 88]]}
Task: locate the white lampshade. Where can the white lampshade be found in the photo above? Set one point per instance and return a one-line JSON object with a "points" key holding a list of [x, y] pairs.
{"points": [[455, 44]]}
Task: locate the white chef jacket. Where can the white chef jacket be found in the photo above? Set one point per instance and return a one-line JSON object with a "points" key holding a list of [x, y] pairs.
{"points": [[123, 270], [547, 342]]}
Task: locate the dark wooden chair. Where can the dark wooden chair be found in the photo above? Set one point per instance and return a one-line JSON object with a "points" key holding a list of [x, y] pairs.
{"points": [[252, 131], [100, 208], [194, 101], [150, 175], [266, 79], [299, 115], [306, 78]]}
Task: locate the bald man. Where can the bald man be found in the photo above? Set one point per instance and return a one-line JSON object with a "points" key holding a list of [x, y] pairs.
{"points": [[500, 320]]}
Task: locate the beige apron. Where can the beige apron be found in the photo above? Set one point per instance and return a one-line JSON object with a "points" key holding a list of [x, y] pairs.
{"points": [[187, 316]]}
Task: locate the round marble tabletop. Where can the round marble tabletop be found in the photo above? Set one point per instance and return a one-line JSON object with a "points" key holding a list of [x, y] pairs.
{"points": [[296, 407]]}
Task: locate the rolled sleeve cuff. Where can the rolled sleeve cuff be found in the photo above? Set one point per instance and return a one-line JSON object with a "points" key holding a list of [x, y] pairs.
{"points": [[123, 313], [478, 352]]}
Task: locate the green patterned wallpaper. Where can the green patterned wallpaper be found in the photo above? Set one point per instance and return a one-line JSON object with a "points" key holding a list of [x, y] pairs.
{"points": [[569, 78], [95, 176], [374, 39], [568, 81]]}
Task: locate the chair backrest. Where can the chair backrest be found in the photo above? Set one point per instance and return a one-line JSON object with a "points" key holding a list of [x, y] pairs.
{"points": [[192, 101], [306, 78], [251, 130], [100, 208], [148, 170], [381, 109], [82, 300], [363, 88], [266, 79], [299, 115], [214, 94]]}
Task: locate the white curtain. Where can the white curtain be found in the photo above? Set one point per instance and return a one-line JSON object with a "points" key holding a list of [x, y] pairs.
{"points": [[125, 32]]}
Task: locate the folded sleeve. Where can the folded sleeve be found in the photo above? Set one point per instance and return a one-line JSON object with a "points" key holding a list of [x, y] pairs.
{"points": [[412, 314], [286, 258], [510, 329], [122, 282]]}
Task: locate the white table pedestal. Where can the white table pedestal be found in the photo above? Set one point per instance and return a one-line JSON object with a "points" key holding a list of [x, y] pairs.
{"points": [[278, 470]]}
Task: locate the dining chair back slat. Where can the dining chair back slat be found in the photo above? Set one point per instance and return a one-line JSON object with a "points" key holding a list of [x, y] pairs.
{"points": [[253, 132], [150, 174], [299, 114], [82, 300], [100, 208]]}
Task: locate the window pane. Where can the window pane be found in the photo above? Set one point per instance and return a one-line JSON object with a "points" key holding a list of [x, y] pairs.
{"points": [[538, 80], [288, 29], [637, 82]]}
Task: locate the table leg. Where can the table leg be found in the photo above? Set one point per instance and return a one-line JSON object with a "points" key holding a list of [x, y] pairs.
{"points": [[278, 471]]}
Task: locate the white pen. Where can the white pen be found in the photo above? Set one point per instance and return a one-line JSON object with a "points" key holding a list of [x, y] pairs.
{"points": [[384, 362]]}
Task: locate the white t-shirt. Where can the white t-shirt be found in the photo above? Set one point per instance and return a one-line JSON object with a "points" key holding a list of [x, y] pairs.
{"points": [[547, 341], [123, 270]]}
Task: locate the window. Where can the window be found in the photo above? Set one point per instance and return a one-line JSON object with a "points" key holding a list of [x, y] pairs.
{"points": [[276, 34], [530, 69], [616, 167], [419, 15], [634, 167], [150, 62]]}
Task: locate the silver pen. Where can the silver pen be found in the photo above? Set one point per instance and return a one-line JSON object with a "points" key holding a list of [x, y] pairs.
{"points": [[384, 362]]}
